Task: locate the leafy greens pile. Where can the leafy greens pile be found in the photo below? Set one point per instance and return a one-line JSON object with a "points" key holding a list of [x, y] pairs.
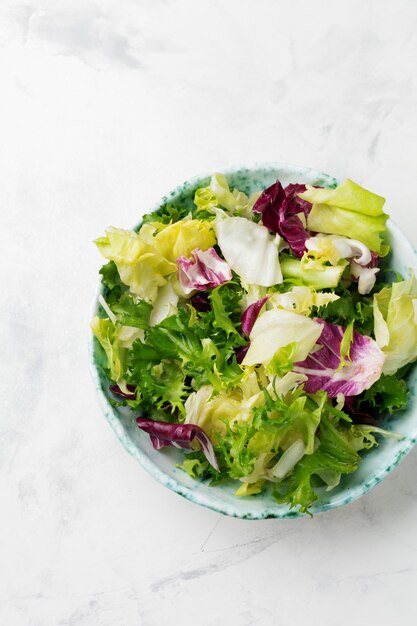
{"points": [[259, 333]]}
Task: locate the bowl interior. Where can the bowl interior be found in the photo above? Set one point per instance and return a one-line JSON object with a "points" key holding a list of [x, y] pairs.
{"points": [[162, 464]]}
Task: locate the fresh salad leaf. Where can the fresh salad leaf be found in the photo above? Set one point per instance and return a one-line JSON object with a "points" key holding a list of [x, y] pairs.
{"points": [[281, 211], [213, 411], [320, 276], [348, 195], [204, 350], [395, 317], [348, 210], [278, 328], [132, 311], [181, 238], [225, 198], [326, 369], [162, 383], [115, 339], [350, 306], [388, 395], [180, 435], [334, 454], [129, 394], [218, 194], [205, 271], [333, 220], [345, 345], [140, 266], [332, 248], [166, 302], [249, 250], [167, 214], [205, 200], [110, 276], [302, 299], [250, 314]]}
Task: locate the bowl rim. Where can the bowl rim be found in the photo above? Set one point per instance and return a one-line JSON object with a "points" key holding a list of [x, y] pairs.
{"points": [[275, 511]]}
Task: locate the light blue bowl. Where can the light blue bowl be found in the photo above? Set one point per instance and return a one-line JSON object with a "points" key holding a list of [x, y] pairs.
{"points": [[377, 463]]}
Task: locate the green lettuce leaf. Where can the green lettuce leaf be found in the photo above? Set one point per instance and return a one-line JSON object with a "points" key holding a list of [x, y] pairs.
{"points": [[348, 195], [335, 221], [116, 341], [181, 238], [218, 194], [275, 329], [395, 323], [140, 266], [194, 467], [348, 210], [319, 277]]}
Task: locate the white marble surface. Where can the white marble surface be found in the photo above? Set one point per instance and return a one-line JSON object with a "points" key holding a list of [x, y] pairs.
{"points": [[106, 105]]}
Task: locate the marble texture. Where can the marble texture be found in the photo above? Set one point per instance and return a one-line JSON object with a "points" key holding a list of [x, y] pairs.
{"points": [[105, 106]]}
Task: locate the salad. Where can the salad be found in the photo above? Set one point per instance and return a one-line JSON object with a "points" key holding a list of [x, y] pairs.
{"points": [[265, 335]]}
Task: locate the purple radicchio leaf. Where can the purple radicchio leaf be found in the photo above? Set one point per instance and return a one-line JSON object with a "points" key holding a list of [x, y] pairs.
{"points": [[200, 302], [358, 416], [322, 366], [205, 270], [280, 208], [250, 314], [179, 435], [127, 396], [241, 353]]}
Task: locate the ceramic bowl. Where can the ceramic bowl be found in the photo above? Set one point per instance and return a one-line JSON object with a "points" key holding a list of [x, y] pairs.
{"points": [[377, 463]]}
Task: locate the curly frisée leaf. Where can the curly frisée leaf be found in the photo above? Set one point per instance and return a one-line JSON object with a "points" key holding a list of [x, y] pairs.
{"points": [[388, 394], [335, 454]]}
